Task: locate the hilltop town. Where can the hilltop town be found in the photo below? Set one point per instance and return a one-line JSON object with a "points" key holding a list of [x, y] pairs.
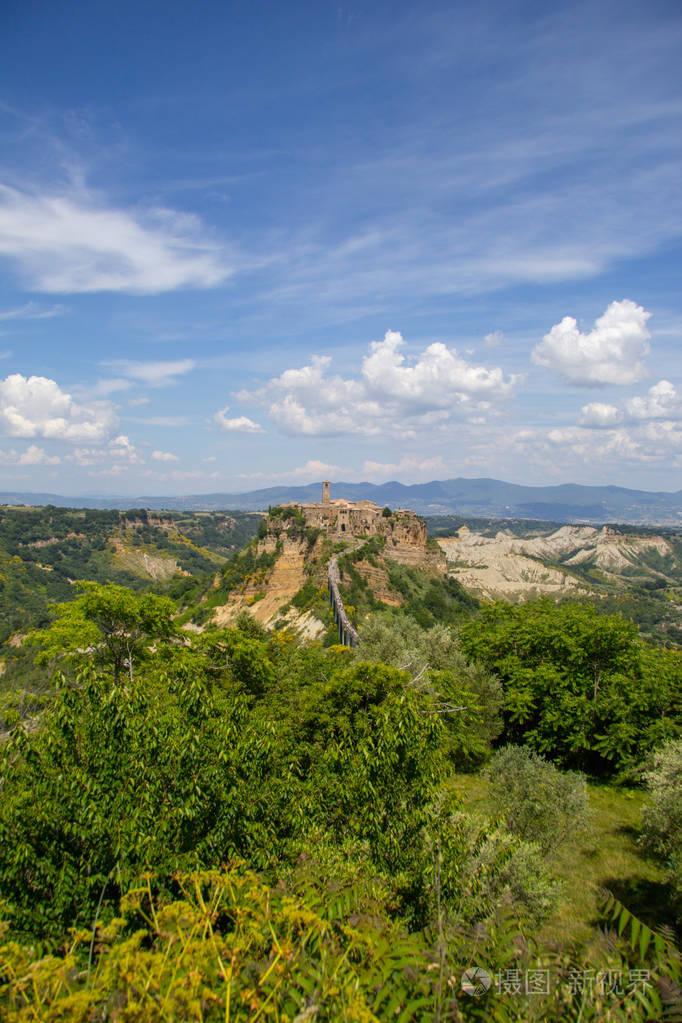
{"points": [[404, 530], [301, 539]]}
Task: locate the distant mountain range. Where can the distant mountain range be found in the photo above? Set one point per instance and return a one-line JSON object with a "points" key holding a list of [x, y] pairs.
{"points": [[484, 498]]}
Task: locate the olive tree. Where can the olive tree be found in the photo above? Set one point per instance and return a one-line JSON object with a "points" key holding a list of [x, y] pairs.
{"points": [[662, 818], [536, 800]]}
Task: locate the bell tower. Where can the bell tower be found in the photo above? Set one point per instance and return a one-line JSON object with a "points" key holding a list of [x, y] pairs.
{"points": [[326, 499]]}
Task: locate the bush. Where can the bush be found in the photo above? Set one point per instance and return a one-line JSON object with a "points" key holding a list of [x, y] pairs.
{"points": [[662, 818], [468, 697], [537, 802], [478, 866]]}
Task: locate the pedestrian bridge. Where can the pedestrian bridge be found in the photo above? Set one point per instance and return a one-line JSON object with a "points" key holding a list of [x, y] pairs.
{"points": [[347, 634]]}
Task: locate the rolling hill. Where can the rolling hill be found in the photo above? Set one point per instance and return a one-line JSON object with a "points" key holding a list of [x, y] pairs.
{"points": [[482, 498]]}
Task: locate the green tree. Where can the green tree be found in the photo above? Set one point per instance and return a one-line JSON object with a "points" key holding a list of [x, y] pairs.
{"points": [[107, 623], [579, 687], [466, 695], [662, 818], [537, 802]]}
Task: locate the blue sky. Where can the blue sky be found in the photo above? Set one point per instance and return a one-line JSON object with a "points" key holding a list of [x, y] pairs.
{"points": [[244, 244]]}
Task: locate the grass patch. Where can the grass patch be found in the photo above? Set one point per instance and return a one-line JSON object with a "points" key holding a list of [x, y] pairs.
{"points": [[606, 856]]}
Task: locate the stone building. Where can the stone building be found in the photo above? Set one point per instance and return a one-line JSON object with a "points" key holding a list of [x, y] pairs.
{"points": [[339, 518]]}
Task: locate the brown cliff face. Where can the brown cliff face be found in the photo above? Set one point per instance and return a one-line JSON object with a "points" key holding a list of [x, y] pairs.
{"points": [[303, 557], [263, 595]]}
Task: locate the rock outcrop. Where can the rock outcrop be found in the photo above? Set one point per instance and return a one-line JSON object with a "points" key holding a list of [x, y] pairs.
{"points": [[299, 535], [510, 567]]}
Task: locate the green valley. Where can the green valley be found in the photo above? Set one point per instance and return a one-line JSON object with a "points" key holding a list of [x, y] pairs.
{"points": [[214, 810]]}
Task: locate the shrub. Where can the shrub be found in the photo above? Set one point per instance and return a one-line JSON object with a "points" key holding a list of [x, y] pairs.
{"points": [[662, 818], [537, 802], [479, 866], [467, 696]]}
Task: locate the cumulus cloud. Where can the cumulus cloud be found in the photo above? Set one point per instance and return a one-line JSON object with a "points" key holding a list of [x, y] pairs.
{"points": [[435, 378], [37, 407], [239, 424], [597, 414], [118, 455], [68, 243], [662, 402], [164, 456], [390, 394], [33, 455], [612, 353], [646, 429], [494, 339], [652, 443]]}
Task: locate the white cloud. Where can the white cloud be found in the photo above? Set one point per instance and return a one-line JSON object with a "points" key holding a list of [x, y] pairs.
{"points": [[119, 454], [155, 374], [311, 471], [102, 388], [612, 353], [31, 456], [390, 395], [37, 407], [662, 402], [239, 424], [164, 456], [410, 466], [652, 443], [438, 376], [134, 402], [74, 243], [598, 414], [494, 339], [646, 430]]}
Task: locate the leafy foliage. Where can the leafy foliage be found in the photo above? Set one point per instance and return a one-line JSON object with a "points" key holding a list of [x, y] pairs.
{"points": [[228, 947], [537, 802], [431, 600], [662, 818], [231, 825], [579, 687], [206, 753], [468, 698], [106, 624]]}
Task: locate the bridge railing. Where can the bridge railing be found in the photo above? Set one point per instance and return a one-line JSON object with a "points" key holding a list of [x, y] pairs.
{"points": [[347, 634]]}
